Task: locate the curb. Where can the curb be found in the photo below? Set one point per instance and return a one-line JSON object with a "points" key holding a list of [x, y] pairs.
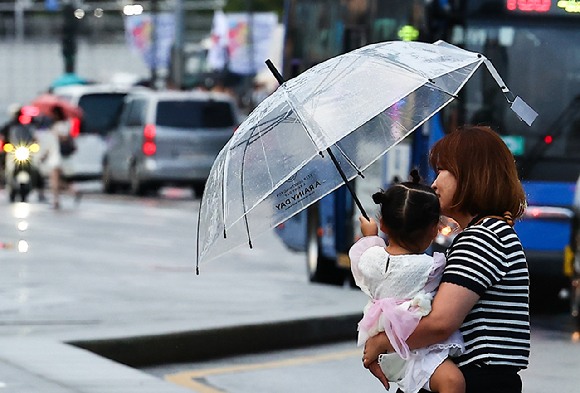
{"points": [[194, 346]]}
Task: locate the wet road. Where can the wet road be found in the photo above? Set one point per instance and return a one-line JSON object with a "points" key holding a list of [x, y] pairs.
{"points": [[77, 247]]}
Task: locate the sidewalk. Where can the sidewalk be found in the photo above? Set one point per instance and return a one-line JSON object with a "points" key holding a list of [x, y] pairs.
{"points": [[56, 304]]}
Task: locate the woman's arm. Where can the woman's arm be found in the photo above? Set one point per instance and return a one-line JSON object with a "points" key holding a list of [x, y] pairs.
{"points": [[450, 307]]}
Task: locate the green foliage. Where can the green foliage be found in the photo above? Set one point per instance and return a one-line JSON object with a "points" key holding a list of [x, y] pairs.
{"points": [[257, 6]]}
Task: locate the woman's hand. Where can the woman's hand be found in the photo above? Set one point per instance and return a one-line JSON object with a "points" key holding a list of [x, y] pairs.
{"points": [[376, 370], [368, 227], [374, 346]]}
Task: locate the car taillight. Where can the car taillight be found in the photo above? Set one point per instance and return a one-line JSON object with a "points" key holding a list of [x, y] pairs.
{"points": [[149, 146], [548, 212], [75, 127]]}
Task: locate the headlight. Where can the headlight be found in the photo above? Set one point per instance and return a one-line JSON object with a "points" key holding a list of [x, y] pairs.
{"points": [[448, 229], [22, 153]]}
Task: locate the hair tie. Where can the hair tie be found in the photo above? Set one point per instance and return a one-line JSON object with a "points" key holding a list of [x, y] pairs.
{"points": [[378, 197], [509, 218], [414, 176]]}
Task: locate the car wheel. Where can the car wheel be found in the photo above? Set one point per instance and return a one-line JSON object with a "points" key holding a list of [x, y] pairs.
{"points": [[137, 187], [319, 268], [109, 187]]}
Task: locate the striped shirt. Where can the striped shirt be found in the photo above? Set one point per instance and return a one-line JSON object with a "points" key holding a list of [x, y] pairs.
{"points": [[488, 259]]}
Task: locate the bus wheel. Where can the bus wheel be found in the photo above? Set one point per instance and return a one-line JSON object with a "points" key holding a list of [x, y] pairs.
{"points": [[319, 268], [576, 303]]}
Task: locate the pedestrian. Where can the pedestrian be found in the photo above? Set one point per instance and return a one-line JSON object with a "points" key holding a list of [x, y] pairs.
{"points": [[401, 281], [485, 284], [53, 159]]}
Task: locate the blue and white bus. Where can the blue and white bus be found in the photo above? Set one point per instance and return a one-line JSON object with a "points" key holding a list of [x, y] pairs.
{"points": [[534, 46]]}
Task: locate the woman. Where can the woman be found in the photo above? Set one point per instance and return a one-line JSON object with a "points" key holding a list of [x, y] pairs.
{"points": [[53, 158], [484, 289]]}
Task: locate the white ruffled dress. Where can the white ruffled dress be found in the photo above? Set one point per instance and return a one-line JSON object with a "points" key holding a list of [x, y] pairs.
{"points": [[401, 288]]}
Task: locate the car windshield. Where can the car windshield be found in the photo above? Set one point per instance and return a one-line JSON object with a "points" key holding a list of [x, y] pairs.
{"points": [[195, 114], [101, 112]]}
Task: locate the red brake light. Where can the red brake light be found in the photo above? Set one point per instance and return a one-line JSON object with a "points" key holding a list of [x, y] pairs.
{"points": [[75, 127], [24, 119], [30, 111], [149, 131], [149, 148]]}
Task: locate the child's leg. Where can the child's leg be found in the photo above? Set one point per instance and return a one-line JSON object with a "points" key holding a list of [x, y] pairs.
{"points": [[447, 378]]}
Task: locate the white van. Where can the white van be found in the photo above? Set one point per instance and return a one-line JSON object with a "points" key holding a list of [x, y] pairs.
{"points": [[102, 106]]}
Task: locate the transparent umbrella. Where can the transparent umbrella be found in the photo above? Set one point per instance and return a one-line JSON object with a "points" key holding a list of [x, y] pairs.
{"points": [[356, 106]]}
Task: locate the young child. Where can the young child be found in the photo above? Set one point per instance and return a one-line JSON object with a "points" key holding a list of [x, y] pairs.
{"points": [[401, 281]]}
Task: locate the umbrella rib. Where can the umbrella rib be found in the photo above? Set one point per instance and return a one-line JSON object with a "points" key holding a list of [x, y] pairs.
{"points": [[242, 188], [433, 84], [301, 119], [197, 240], [351, 162], [225, 172], [275, 122]]}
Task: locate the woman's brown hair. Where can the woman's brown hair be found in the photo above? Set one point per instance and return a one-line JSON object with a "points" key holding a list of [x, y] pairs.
{"points": [[486, 173]]}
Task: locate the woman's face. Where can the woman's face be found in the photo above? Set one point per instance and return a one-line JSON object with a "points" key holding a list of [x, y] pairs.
{"points": [[445, 185]]}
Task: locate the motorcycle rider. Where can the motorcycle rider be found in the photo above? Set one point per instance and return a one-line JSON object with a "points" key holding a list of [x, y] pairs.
{"points": [[20, 131]]}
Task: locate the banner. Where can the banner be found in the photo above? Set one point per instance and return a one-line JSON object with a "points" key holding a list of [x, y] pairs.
{"points": [[138, 33], [234, 48]]}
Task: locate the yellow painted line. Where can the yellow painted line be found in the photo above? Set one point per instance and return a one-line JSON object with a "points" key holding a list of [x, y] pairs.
{"points": [[188, 378]]}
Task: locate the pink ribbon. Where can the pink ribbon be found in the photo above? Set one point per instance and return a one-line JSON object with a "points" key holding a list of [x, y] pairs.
{"points": [[399, 322]]}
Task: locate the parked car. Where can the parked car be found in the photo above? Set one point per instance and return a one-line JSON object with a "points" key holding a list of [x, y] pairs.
{"points": [[169, 137], [101, 105]]}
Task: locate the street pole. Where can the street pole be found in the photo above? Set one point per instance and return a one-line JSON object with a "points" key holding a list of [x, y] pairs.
{"points": [[69, 38], [250, 7], [19, 20], [154, 12], [177, 61]]}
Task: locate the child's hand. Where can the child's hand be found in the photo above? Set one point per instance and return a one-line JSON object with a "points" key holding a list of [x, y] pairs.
{"points": [[376, 370], [368, 227]]}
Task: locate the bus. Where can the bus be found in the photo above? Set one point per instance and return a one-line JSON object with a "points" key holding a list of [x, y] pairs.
{"points": [[535, 48]]}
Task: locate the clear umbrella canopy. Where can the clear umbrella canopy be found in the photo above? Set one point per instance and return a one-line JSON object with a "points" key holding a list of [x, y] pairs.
{"points": [[359, 105]]}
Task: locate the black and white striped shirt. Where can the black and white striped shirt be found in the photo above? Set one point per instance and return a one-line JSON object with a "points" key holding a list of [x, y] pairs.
{"points": [[488, 259]]}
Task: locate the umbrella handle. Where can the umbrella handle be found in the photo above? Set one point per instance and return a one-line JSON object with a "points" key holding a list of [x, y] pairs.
{"points": [[280, 80]]}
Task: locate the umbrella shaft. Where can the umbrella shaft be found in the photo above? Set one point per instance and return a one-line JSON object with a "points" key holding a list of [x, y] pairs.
{"points": [[341, 172]]}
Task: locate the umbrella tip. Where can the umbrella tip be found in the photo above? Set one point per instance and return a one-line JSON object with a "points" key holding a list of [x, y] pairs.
{"points": [[197, 270]]}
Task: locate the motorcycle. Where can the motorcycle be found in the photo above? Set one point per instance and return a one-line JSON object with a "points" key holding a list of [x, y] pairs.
{"points": [[20, 169]]}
